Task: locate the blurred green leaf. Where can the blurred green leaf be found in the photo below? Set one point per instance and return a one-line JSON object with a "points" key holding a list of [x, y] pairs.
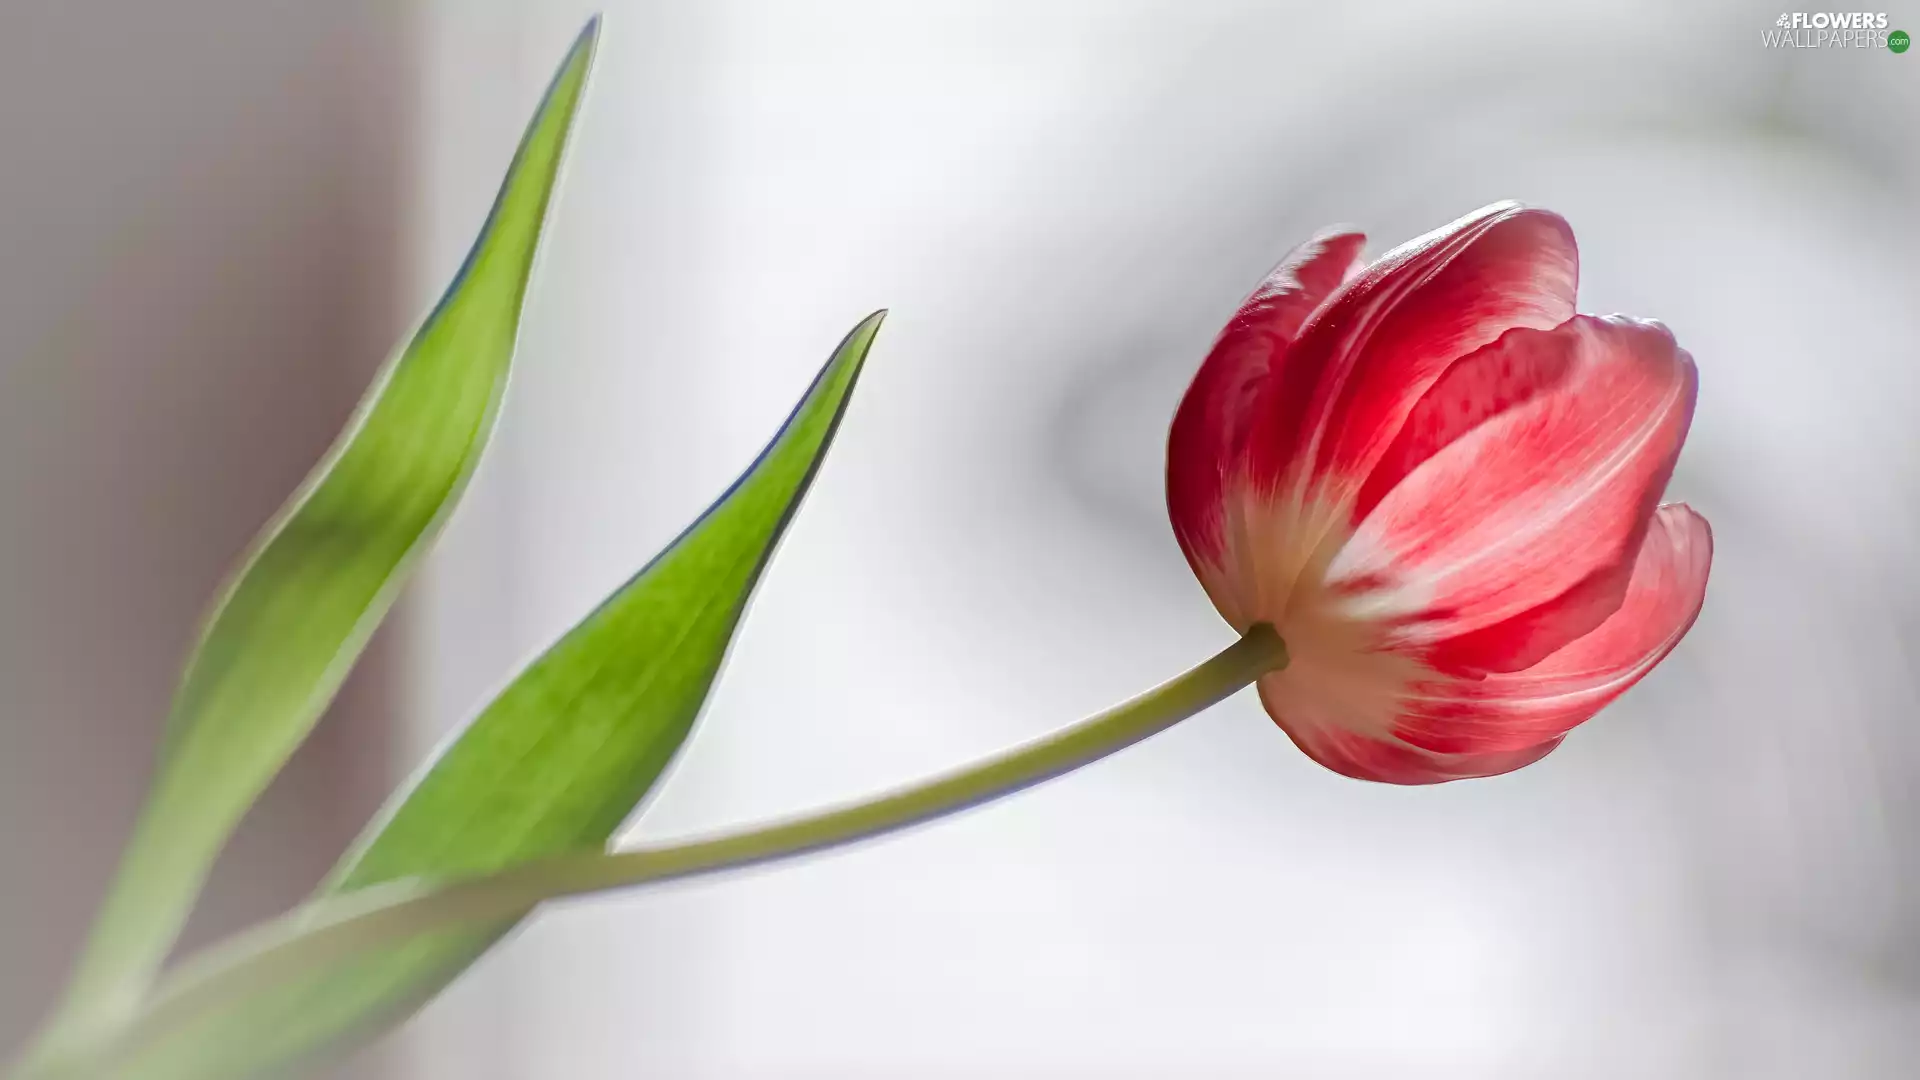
{"points": [[554, 764], [293, 619]]}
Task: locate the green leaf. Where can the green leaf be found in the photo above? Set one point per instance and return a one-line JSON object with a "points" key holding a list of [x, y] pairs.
{"points": [[553, 765], [294, 618]]}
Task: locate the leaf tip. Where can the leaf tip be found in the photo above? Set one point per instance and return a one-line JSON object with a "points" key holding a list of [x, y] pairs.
{"points": [[864, 332]]}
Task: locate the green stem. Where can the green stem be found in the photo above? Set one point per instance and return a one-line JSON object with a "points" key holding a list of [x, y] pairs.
{"points": [[325, 931]]}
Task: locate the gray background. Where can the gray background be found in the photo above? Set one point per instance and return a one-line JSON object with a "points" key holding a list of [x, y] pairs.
{"points": [[215, 219]]}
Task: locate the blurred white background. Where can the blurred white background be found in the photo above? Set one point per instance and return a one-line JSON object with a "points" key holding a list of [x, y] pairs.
{"points": [[1061, 202]]}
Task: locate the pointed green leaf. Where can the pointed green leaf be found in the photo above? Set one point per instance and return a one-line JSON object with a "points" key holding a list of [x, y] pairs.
{"points": [[292, 621], [552, 765]]}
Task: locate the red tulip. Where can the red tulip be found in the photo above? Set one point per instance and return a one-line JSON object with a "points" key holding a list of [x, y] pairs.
{"points": [[1441, 486]]}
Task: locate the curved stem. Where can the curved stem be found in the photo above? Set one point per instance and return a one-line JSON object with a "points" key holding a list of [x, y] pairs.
{"points": [[324, 931]]}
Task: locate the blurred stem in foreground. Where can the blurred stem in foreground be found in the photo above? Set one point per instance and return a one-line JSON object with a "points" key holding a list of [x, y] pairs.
{"points": [[326, 931]]}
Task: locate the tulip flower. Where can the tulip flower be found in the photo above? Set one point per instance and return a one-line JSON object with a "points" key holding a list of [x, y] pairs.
{"points": [[1441, 487]]}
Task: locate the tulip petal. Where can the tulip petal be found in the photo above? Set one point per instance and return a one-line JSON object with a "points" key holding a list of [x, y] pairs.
{"points": [[1455, 729], [1212, 420], [1391, 761], [1368, 356], [1514, 537], [1509, 712], [1477, 387]]}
